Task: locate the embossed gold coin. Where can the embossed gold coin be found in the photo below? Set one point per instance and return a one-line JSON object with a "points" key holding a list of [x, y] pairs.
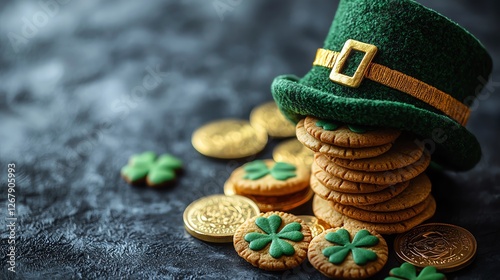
{"points": [[268, 117], [215, 218], [447, 247], [275, 203], [229, 139], [294, 152], [316, 225]]}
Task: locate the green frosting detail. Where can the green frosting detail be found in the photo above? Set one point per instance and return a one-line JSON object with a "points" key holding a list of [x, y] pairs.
{"points": [[330, 126], [279, 247], [359, 128], [408, 272], [146, 158], [255, 170], [258, 169], [282, 171], [159, 175], [336, 254], [135, 173], [147, 165], [169, 161]]}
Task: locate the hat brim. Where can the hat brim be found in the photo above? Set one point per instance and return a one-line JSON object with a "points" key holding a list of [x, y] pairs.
{"points": [[451, 144]]}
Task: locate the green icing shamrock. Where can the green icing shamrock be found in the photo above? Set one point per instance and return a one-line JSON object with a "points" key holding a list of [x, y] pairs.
{"points": [[147, 165], [408, 272], [258, 169], [270, 225], [331, 126], [336, 254], [356, 128]]}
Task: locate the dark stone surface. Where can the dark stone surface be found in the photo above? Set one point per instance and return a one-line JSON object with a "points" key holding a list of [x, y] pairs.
{"points": [[72, 112]]}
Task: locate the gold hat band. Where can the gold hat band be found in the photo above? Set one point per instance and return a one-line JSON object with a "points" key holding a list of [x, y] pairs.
{"points": [[388, 77]]}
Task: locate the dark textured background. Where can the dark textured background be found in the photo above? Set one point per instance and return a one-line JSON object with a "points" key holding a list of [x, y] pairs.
{"points": [[71, 114]]}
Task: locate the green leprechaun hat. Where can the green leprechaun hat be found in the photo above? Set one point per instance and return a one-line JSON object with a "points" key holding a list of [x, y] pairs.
{"points": [[397, 64]]}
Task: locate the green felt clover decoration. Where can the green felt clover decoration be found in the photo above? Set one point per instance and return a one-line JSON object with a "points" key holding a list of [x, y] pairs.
{"points": [[279, 246], [337, 253], [156, 170], [408, 272], [258, 169], [331, 126]]}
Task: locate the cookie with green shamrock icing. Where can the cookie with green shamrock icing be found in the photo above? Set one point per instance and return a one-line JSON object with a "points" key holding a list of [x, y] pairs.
{"points": [[337, 151], [152, 170], [349, 135], [273, 241], [269, 178], [408, 272], [348, 253]]}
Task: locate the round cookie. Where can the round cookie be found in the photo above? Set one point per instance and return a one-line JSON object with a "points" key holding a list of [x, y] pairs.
{"points": [[324, 211], [381, 217], [335, 151], [342, 136], [339, 185], [418, 191], [348, 253], [381, 177], [273, 241], [270, 178], [357, 199], [399, 227], [404, 152], [274, 203]]}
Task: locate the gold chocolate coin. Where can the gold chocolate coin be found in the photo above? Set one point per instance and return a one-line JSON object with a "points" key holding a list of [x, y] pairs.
{"points": [[274, 203], [215, 218], [294, 152], [229, 139], [316, 225], [268, 117], [446, 247]]}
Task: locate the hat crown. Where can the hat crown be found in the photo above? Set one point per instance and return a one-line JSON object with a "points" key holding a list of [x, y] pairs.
{"points": [[419, 73], [414, 40]]}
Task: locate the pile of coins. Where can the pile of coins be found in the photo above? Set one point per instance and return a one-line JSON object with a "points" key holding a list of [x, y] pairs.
{"points": [[234, 139]]}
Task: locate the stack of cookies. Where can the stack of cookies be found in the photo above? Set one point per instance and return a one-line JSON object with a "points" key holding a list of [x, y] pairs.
{"points": [[273, 186], [365, 177]]}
